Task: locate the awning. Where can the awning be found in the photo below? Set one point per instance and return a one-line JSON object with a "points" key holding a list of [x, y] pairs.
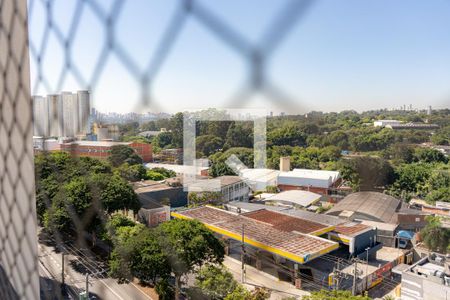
{"points": [[405, 234]]}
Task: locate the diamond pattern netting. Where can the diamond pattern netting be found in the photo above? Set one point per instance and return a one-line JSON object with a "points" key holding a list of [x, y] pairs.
{"points": [[18, 249]]}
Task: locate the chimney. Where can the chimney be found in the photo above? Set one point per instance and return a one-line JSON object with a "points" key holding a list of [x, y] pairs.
{"points": [[285, 164]]}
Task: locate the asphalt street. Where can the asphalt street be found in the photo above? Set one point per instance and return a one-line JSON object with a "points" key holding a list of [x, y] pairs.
{"points": [[76, 266]]}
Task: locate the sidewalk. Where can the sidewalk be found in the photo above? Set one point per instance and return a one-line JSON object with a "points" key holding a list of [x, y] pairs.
{"points": [[255, 277]]}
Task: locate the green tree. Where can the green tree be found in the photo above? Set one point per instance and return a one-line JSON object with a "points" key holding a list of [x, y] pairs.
{"points": [[148, 261], [69, 208], [215, 281], [121, 154], [289, 134], [430, 155], [441, 137], [401, 153], [203, 198], [189, 245], [122, 234], [435, 237], [131, 128], [117, 194], [136, 138], [163, 140], [366, 173], [165, 290], [218, 166], [339, 139], [240, 134], [176, 127], [164, 172], [411, 178], [131, 172], [208, 144], [153, 175], [441, 194], [334, 295], [240, 293]]}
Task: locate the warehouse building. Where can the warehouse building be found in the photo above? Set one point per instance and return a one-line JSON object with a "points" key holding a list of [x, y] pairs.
{"points": [[382, 211], [169, 192], [413, 126], [317, 181], [102, 149], [232, 188], [259, 179]]}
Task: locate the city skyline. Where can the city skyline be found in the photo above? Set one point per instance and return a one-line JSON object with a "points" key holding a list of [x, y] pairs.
{"points": [[340, 55]]}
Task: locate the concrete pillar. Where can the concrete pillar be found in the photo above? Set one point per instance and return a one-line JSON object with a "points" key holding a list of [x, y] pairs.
{"points": [[258, 261], [227, 246]]}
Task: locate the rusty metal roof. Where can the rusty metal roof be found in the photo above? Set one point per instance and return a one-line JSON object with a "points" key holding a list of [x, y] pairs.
{"points": [[286, 223], [351, 229]]}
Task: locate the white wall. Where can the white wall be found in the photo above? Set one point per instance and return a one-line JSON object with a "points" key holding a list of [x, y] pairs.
{"points": [[18, 243]]}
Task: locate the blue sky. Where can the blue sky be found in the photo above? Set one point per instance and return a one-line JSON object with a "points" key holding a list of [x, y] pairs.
{"points": [[342, 54]]}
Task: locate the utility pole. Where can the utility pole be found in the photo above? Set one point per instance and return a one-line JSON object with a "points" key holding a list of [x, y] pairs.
{"points": [[62, 269], [243, 255], [354, 277], [367, 268], [338, 274], [87, 285]]}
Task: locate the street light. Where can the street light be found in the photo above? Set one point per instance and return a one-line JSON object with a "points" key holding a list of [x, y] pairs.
{"points": [[367, 267]]}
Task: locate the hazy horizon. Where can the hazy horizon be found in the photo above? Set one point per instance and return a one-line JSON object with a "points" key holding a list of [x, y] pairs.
{"points": [[340, 55]]}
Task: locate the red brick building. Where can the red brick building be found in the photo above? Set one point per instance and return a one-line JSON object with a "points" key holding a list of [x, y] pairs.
{"points": [[102, 149]]}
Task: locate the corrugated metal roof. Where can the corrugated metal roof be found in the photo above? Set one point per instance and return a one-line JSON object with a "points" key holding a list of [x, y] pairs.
{"points": [[376, 206], [97, 143], [351, 229], [261, 175], [305, 177], [299, 197], [285, 222], [294, 246]]}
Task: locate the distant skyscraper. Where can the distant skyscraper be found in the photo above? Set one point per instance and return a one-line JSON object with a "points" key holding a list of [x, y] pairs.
{"points": [[429, 110]]}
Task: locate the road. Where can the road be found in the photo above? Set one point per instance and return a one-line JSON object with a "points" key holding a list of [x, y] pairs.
{"points": [[50, 266]]}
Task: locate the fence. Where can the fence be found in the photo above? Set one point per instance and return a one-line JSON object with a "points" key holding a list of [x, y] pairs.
{"points": [[18, 226]]}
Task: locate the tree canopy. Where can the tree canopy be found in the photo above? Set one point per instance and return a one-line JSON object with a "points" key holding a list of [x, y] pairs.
{"points": [[436, 237], [334, 295], [121, 154]]}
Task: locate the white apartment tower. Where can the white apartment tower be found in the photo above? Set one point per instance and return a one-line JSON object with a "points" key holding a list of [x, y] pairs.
{"points": [[69, 114], [55, 115], [65, 115], [40, 109], [84, 109]]}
